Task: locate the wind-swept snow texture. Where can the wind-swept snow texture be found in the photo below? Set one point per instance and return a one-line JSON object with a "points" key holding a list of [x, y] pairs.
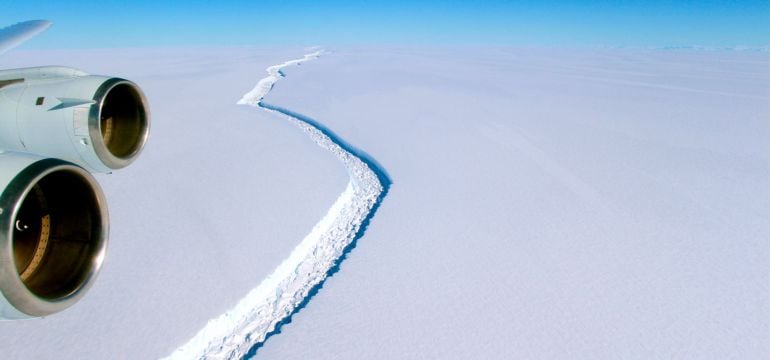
{"points": [[237, 331]]}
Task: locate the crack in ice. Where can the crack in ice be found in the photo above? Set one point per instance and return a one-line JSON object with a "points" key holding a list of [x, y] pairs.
{"points": [[277, 297]]}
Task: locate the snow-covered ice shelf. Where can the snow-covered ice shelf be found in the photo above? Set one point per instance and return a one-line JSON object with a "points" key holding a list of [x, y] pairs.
{"points": [[551, 203]]}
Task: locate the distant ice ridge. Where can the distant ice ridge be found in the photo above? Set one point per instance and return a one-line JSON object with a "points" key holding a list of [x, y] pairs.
{"points": [[235, 332], [264, 86]]}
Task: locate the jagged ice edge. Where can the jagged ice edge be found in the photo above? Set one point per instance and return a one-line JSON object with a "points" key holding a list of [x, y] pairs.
{"points": [[232, 334]]}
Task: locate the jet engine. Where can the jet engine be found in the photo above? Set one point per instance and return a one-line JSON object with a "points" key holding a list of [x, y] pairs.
{"points": [[56, 125]]}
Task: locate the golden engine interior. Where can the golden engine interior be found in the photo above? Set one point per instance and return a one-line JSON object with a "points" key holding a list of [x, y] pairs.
{"points": [[123, 121], [57, 235]]}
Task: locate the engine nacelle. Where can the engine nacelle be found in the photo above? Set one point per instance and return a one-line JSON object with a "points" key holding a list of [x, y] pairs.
{"points": [[56, 123], [98, 122], [53, 234]]}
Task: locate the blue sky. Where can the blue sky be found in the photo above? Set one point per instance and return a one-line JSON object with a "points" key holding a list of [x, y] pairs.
{"points": [[111, 23]]}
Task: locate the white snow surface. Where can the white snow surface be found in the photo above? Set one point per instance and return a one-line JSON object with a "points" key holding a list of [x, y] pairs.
{"points": [[545, 203]]}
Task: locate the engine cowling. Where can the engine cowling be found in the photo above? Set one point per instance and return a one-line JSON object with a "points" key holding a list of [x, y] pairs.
{"points": [[53, 234], [98, 122]]}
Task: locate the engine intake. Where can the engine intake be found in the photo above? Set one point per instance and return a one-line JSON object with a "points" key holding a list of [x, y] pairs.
{"points": [[118, 123], [54, 236]]}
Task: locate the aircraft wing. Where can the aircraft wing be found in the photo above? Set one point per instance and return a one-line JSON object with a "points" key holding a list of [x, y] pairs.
{"points": [[12, 36]]}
